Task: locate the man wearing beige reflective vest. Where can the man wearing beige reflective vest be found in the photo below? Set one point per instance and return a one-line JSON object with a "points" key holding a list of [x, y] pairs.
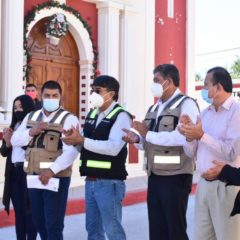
{"points": [[47, 157], [103, 158], [169, 169]]}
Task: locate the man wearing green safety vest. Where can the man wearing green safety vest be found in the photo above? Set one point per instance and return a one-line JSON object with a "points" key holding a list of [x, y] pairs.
{"points": [[102, 161]]}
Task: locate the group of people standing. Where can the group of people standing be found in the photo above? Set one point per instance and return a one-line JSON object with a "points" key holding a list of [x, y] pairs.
{"points": [[175, 137]]}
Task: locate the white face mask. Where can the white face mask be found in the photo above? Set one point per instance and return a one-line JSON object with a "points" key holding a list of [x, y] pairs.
{"points": [[157, 90], [96, 100], [51, 104]]}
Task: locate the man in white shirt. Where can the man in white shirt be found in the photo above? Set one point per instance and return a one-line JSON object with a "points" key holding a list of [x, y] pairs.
{"points": [[212, 138], [102, 160], [47, 156], [169, 169]]}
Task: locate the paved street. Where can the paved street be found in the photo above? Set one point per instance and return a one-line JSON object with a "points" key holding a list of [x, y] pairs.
{"points": [[134, 221]]}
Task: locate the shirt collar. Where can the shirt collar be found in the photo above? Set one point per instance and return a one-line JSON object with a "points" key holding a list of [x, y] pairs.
{"points": [[177, 92], [51, 115], [226, 105]]}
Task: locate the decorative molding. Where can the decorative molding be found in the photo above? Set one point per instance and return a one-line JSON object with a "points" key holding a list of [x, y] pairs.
{"points": [[30, 18]]}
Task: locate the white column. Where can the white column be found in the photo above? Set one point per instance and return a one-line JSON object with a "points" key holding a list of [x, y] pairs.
{"points": [[190, 50], [124, 76], [108, 37], [12, 52]]}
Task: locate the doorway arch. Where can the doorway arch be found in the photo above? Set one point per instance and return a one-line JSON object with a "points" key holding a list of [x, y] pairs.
{"points": [[85, 49]]}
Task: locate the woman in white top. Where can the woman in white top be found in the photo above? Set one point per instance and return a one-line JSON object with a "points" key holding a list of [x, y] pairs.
{"points": [[15, 187]]}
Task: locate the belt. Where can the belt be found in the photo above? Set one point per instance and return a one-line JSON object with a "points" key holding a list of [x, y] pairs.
{"points": [[91, 178], [18, 164]]}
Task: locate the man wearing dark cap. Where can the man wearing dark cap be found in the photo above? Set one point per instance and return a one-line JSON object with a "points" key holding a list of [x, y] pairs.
{"points": [[102, 161]]}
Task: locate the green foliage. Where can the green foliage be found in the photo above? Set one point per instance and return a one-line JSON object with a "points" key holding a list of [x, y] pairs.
{"points": [[235, 69]]}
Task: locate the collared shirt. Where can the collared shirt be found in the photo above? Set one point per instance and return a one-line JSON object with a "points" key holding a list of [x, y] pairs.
{"points": [[173, 138], [221, 128], [114, 144], [21, 138]]}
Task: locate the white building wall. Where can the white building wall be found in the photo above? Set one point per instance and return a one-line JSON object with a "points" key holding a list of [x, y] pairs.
{"points": [[140, 58], [11, 53]]}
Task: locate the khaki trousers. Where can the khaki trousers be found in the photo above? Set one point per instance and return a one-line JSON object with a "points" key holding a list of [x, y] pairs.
{"points": [[213, 205]]}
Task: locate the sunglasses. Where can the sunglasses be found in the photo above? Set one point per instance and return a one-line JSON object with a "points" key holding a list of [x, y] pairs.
{"points": [[98, 89]]}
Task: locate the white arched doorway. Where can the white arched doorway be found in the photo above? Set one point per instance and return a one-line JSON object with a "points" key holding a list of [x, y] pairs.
{"points": [[85, 48]]}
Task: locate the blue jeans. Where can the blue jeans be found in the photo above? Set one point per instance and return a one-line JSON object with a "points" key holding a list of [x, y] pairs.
{"points": [[104, 209], [48, 210]]}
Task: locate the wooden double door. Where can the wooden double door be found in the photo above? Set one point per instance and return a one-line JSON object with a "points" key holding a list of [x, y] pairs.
{"points": [[60, 63]]}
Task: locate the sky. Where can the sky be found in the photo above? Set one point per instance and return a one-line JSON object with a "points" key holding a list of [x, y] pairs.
{"points": [[217, 31]]}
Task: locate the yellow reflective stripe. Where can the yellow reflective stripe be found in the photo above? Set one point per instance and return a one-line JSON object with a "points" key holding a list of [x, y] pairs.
{"points": [[112, 113], [98, 164], [80, 163], [94, 113]]}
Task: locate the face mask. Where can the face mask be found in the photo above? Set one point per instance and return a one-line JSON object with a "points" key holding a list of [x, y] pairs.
{"points": [[33, 95], [19, 115], [96, 100], [205, 97], [157, 89], [50, 104]]}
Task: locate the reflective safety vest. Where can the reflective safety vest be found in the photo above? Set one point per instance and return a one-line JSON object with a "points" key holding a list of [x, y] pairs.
{"points": [[102, 165], [166, 160], [44, 148]]}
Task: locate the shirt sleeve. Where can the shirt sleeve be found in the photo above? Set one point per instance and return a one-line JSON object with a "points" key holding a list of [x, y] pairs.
{"points": [[21, 136], [224, 148], [230, 175], [174, 138], [114, 144], [69, 153]]}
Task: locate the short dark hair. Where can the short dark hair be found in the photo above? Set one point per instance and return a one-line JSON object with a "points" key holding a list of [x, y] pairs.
{"points": [[51, 84], [168, 71], [108, 82], [223, 77], [31, 85]]}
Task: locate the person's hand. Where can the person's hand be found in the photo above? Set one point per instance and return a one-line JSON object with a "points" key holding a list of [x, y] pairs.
{"points": [[7, 134], [130, 137], [185, 119], [192, 131], [213, 172], [40, 127], [45, 175], [73, 136], [141, 127]]}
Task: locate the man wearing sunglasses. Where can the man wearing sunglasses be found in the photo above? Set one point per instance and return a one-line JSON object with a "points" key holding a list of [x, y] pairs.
{"points": [[102, 160]]}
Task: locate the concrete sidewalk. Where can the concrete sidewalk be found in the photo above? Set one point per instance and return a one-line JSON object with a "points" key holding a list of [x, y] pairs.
{"points": [[136, 186], [135, 223]]}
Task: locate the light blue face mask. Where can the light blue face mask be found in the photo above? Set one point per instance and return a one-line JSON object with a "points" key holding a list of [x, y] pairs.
{"points": [[51, 104], [205, 97]]}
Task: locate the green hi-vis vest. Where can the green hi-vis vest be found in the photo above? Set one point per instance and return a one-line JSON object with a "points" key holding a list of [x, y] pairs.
{"points": [[102, 165]]}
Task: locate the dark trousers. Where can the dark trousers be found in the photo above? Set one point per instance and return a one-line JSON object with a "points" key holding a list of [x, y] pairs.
{"points": [[167, 205], [25, 228], [48, 210]]}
